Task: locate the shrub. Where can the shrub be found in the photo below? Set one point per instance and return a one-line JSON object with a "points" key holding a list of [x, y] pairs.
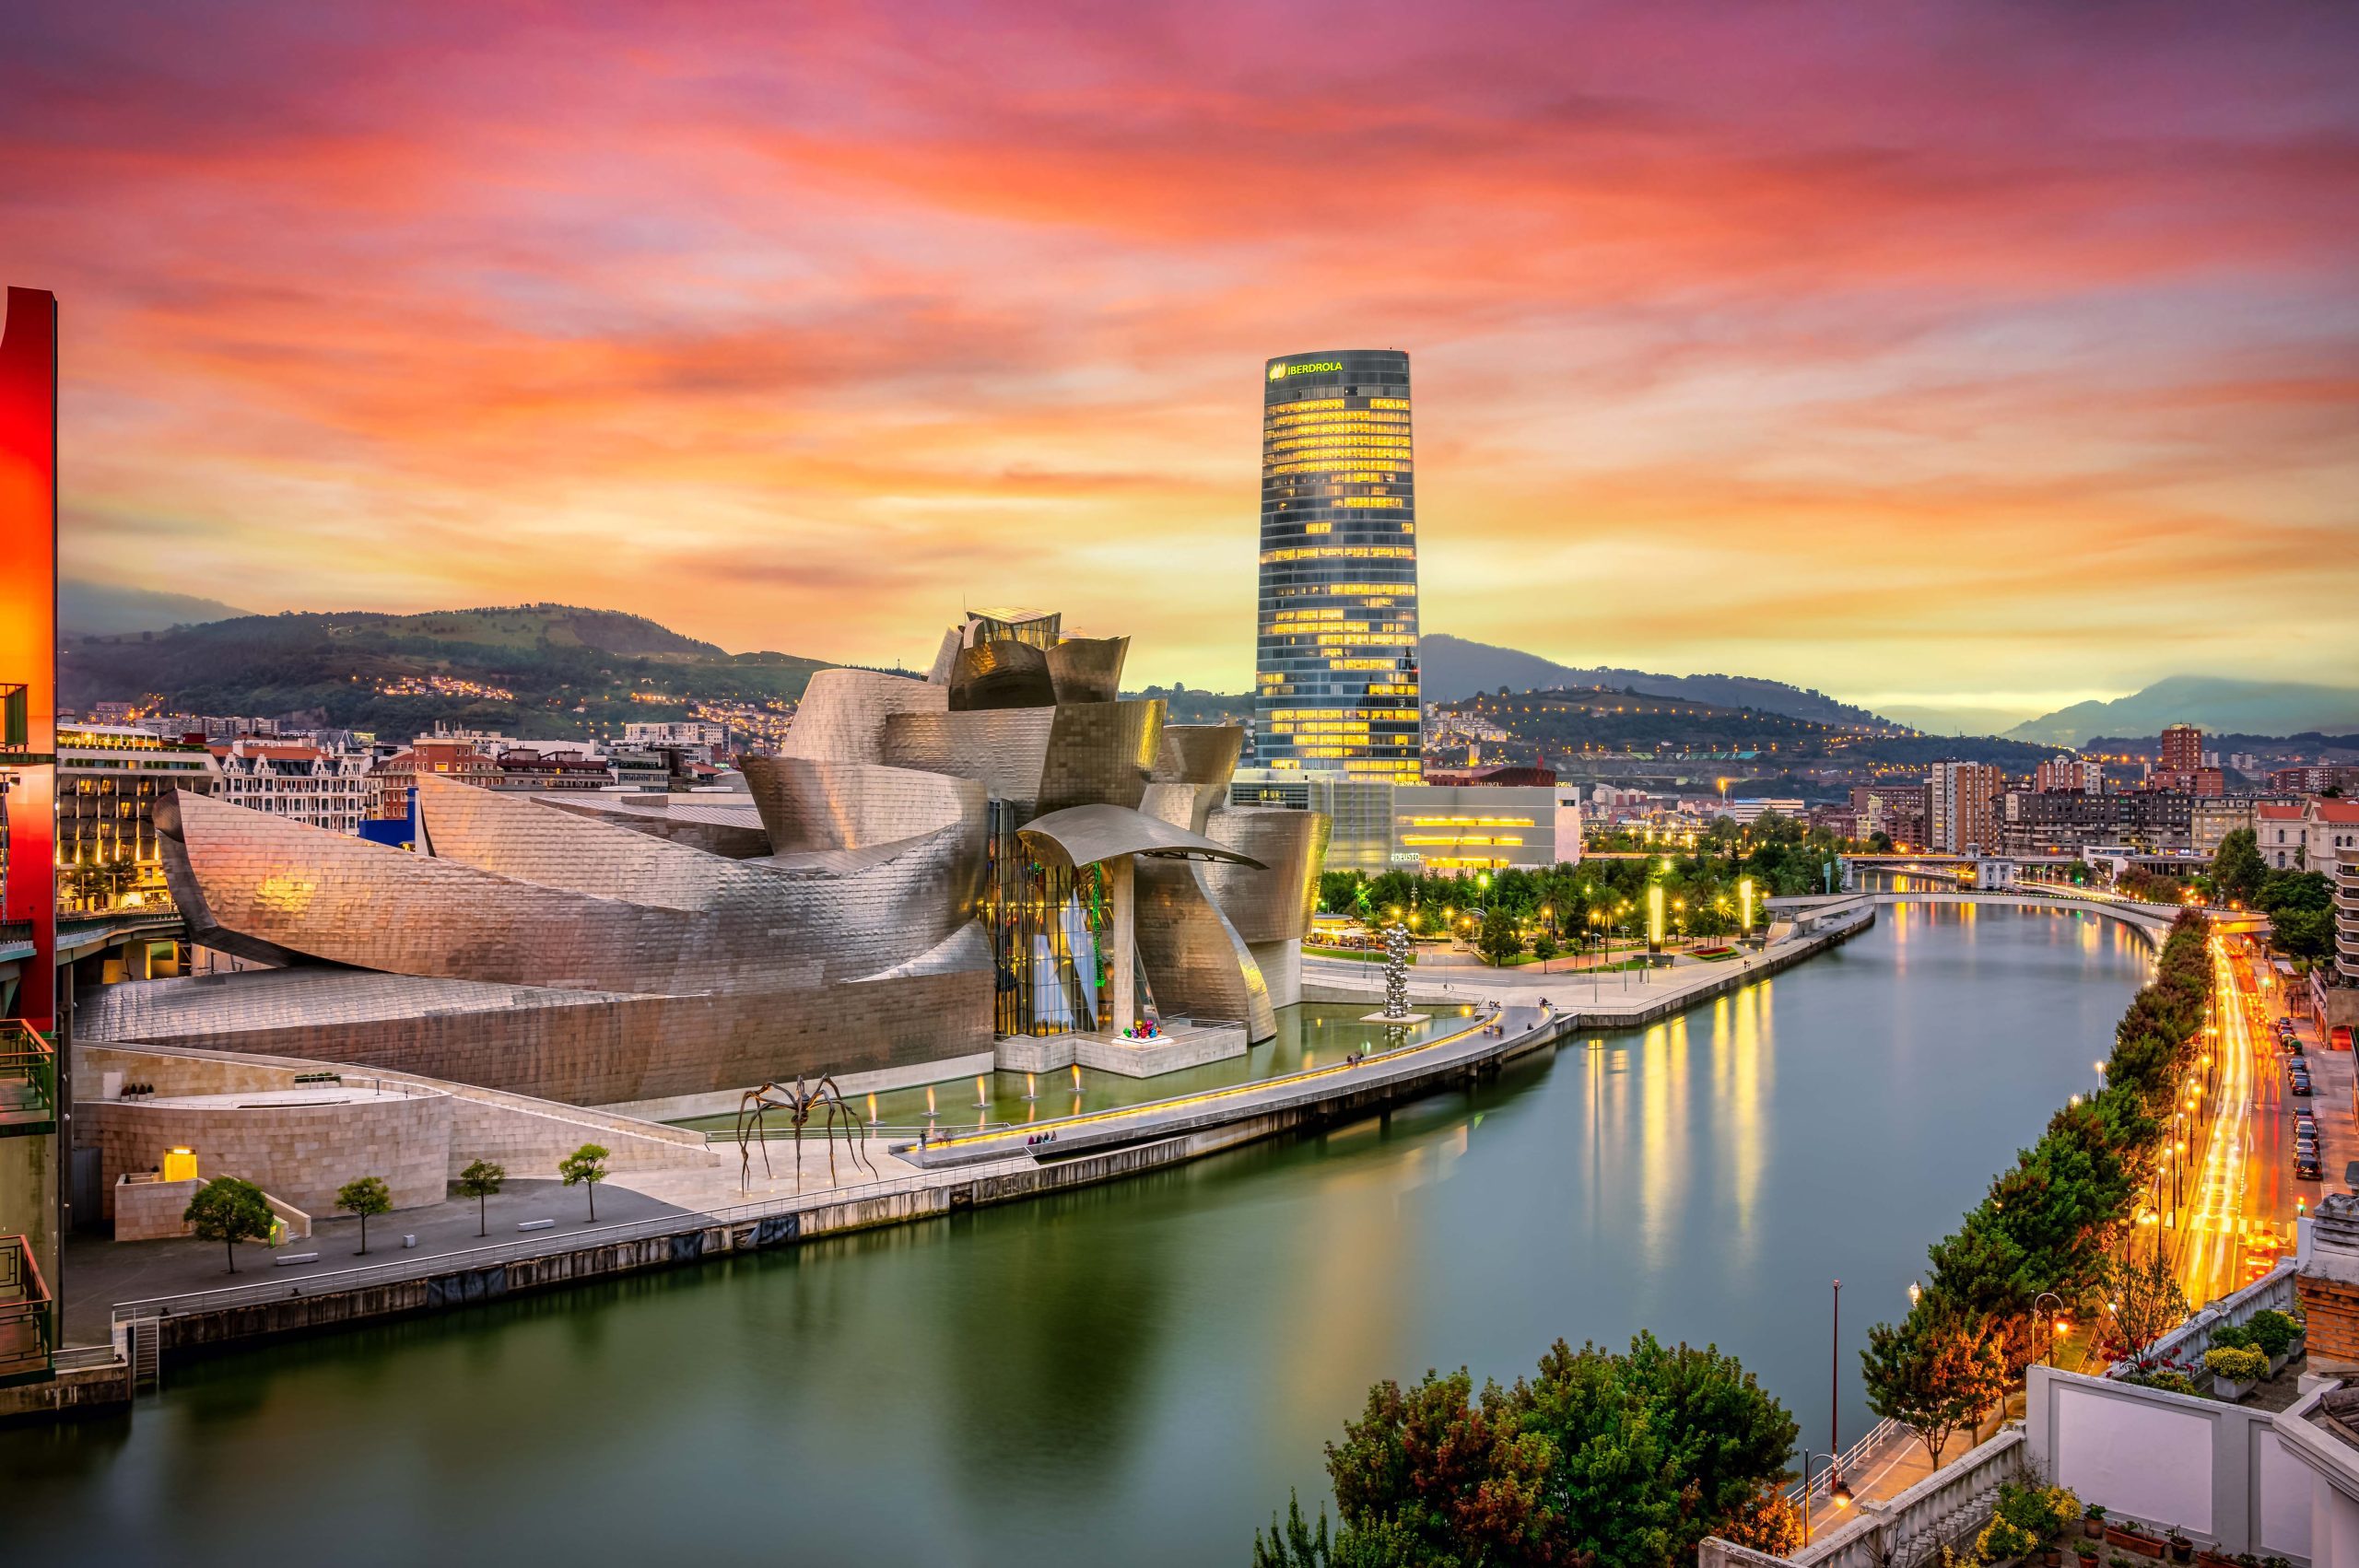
{"points": [[2000, 1540], [2046, 1512], [2234, 1337], [2236, 1363], [2271, 1333], [2165, 1378]]}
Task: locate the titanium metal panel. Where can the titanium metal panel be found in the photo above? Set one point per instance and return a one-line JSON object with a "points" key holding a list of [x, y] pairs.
{"points": [[843, 713], [1274, 901], [1001, 674], [1100, 752], [1003, 749], [1085, 835], [732, 832], [1195, 961], [1088, 669]]}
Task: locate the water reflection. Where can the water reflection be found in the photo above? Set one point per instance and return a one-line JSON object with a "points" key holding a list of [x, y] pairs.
{"points": [[1138, 1373]]}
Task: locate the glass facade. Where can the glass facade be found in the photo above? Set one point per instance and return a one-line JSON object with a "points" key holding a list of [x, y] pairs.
{"points": [[1336, 657], [1050, 926]]}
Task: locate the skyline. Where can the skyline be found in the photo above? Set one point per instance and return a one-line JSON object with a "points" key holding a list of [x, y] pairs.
{"points": [[1947, 355]]}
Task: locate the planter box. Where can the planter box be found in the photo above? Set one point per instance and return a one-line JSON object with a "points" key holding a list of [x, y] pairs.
{"points": [[2144, 1545], [2092, 1529], [2277, 1363], [2229, 1389]]}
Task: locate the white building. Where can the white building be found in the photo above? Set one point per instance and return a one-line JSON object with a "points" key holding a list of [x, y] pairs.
{"points": [[2305, 837], [320, 788]]}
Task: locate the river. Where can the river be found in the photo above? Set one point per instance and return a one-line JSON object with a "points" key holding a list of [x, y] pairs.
{"points": [[1137, 1373]]}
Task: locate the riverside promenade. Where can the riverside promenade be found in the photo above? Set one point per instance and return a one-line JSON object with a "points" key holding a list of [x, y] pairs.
{"points": [[710, 1212]]}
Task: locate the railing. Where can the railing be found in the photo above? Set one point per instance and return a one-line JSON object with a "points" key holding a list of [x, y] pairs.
{"points": [[540, 1244], [1847, 1464], [2187, 1343], [27, 1076], [25, 1310], [1944, 1509]]}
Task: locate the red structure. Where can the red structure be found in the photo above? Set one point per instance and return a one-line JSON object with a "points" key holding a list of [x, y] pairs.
{"points": [[28, 639]]}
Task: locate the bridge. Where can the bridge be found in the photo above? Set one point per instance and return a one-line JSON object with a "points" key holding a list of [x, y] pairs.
{"points": [[1810, 913]]}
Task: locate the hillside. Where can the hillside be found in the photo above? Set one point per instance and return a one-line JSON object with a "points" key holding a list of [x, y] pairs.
{"points": [[99, 609], [1452, 667], [529, 670], [2258, 708], [1563, 725]]}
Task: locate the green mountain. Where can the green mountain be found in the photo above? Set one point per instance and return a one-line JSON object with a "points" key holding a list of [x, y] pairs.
{"points": [[2257, 707], [527, 670], [95, 609], [1451, 667]]}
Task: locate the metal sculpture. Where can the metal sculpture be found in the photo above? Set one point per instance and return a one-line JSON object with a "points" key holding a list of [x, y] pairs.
{"points": [[1396, 971], [800, 1102]]}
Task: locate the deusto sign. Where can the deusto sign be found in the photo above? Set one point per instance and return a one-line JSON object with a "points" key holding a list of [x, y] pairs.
{"points": [[1280, 370]]}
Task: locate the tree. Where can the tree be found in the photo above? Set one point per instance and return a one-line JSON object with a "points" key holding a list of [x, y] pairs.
{"points": [[228, 1210], [2146, 1303], [1499, 940], [1939, 1371], [365, 1196], [586, 1166], [2237, 870], [1603, 1460], [482, 1181], [2303, 933], [1543, 947]]}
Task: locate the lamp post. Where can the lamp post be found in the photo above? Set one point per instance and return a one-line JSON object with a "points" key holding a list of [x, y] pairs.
{"points": [[1838, 1491], [2048, 1354], [1834, 1396]]}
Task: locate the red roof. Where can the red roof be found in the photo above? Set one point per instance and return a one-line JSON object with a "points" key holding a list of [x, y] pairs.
{"points": [[2343, 813], [2278, 813]]}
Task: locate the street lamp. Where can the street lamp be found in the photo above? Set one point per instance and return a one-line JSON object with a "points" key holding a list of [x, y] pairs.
{"points": [[1838, 1491], [2049, 1355]]}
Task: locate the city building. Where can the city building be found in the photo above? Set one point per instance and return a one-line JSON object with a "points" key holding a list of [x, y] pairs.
{"points": [[2182, 748], [2211, 820], [1380, 827], [1962, 807], [300, 781], [2307, 836], [1007, 866], [390, 779], [107, 781], [2066, 773], [536, 772], [1752, 809], [710, 739], [1335, 655], [1496, 774], [2035, 823], [2316, 779], [36, 1085], [2346, 918]]}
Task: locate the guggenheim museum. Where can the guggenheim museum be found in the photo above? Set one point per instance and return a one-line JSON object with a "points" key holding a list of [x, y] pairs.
{"points": [[1005, 863]]}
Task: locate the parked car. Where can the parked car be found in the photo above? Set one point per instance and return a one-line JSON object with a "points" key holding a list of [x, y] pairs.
{"points": [[2302, 1088], [2307, 1170]]}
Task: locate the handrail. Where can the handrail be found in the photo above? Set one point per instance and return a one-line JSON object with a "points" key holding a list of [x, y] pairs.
{"points": [[31, 1303], [27, 1058]]}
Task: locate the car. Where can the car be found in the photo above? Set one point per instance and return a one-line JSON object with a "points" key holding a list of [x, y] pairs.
{"points": [[2301, 1087], [2307, 1170]]}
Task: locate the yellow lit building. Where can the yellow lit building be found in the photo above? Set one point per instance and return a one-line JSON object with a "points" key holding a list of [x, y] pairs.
{"points": [[1335, 655]]}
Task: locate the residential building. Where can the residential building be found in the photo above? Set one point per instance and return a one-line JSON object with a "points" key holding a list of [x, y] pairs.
{"points": [[2346, 917], [2066, 773], [2182, 748], [2032, 823], [1335, 655], [2316, 779], [1962, 807], [708, 737], [297, 780], [108, 780], [390, 781], [522, 768], [2211, 820]]}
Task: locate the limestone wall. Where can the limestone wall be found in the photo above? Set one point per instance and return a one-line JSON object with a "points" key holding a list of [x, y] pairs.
{"points": [[300, 1152]]}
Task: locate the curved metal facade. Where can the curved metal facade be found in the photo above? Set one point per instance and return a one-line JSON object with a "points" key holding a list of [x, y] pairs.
{"points": [[922, 872]]}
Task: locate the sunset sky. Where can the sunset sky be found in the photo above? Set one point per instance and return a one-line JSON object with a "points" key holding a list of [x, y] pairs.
{"points": [[1986, 355]]}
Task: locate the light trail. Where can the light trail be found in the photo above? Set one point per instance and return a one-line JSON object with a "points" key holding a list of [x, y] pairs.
{"points": [[2209, 1247]]}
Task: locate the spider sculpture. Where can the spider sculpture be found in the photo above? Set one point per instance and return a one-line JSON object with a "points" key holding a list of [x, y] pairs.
{"points": [[799, 1103]]}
